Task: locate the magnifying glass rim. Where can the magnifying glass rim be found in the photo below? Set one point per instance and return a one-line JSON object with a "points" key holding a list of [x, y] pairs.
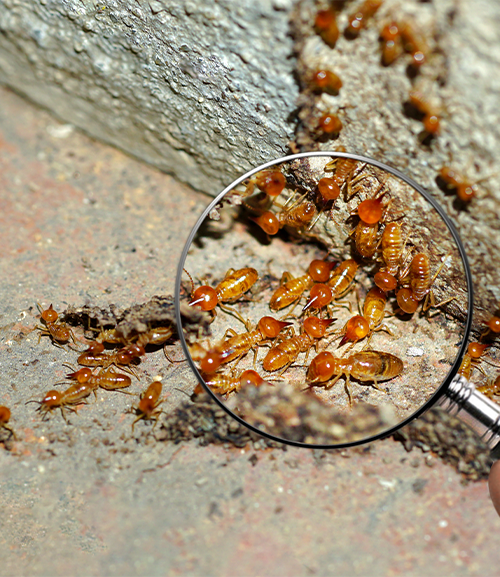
{"points": [[468, 323]]}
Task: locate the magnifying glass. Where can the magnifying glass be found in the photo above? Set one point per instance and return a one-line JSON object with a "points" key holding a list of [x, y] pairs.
{"points": [[340, 300]]}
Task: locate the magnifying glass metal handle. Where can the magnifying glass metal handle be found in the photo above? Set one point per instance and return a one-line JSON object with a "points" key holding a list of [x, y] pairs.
{"points": [[477, 411]]}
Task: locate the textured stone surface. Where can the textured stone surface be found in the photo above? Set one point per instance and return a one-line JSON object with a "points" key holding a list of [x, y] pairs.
{"points": [[201, 90]]}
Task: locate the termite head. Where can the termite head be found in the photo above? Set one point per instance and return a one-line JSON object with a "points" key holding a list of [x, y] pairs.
{"points": [[134, 350], [270, 327], [320, 296], [356, 328], [49, 315], [476, 350], [250, 377], [204, 297], [268, 222], [316, 327], [51, 400], [81, 376]]}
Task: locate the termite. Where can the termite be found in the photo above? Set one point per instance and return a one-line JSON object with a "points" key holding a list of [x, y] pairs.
{"points": [[293, 288], [286, 352], [430, 116], [392, 45], [343, 168], [493, 326], [108, 379], [414, 44], [373, 366], [225, 384], [419, 276], [491, 389], [239, 344], [58, 332], [451, 179], [329, 125], [325, 81], [338, 285], [392, 246], [359, 19], [271, 182], [355, 329], [234, 285], [472, 359], [94, 357], [53, 399], [148, 404], [156, 336], [4, 419], [325, 25], [385, 281], [296, 216]]}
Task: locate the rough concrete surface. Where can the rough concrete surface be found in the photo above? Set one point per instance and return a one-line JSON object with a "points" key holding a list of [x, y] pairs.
{"points": [[84, 224]]}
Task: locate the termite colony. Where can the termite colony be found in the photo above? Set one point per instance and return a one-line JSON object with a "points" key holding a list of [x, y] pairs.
{"points": [[359, 261], [108, 362], [323, 112]]}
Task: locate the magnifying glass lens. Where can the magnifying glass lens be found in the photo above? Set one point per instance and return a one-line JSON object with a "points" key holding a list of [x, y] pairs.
{"points": [[338, 294]]}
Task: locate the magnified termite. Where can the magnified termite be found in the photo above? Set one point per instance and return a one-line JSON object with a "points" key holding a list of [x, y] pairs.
{"points": [[4, 420], [285, 353], [58, 332], [365, 366], [239, 345], [292, 289], [225, 384], [339, 284], [418, 276], [271, 182], [325, 81], [234, 285], [296, 216], [149, 402]]}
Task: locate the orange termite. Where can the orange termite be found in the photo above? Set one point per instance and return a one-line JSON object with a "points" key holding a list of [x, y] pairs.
{"points": [[430, 116], [491, 389], [392, 246], [272, 182], [385, 281], [234, 285], [53, 399], [493, 326], [286, 352], [338, 285], [355, 329], [414, 44], [4, 419], [325, 81], [343, 168], [108, 379], [472, 359], [373, 366], [149, 403], [58, 332], [392, 44], [225, 384], [329, 125], [294, 288], [94, 357], [359, 19], [451, 179], [325, 25], [239, 344]]}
